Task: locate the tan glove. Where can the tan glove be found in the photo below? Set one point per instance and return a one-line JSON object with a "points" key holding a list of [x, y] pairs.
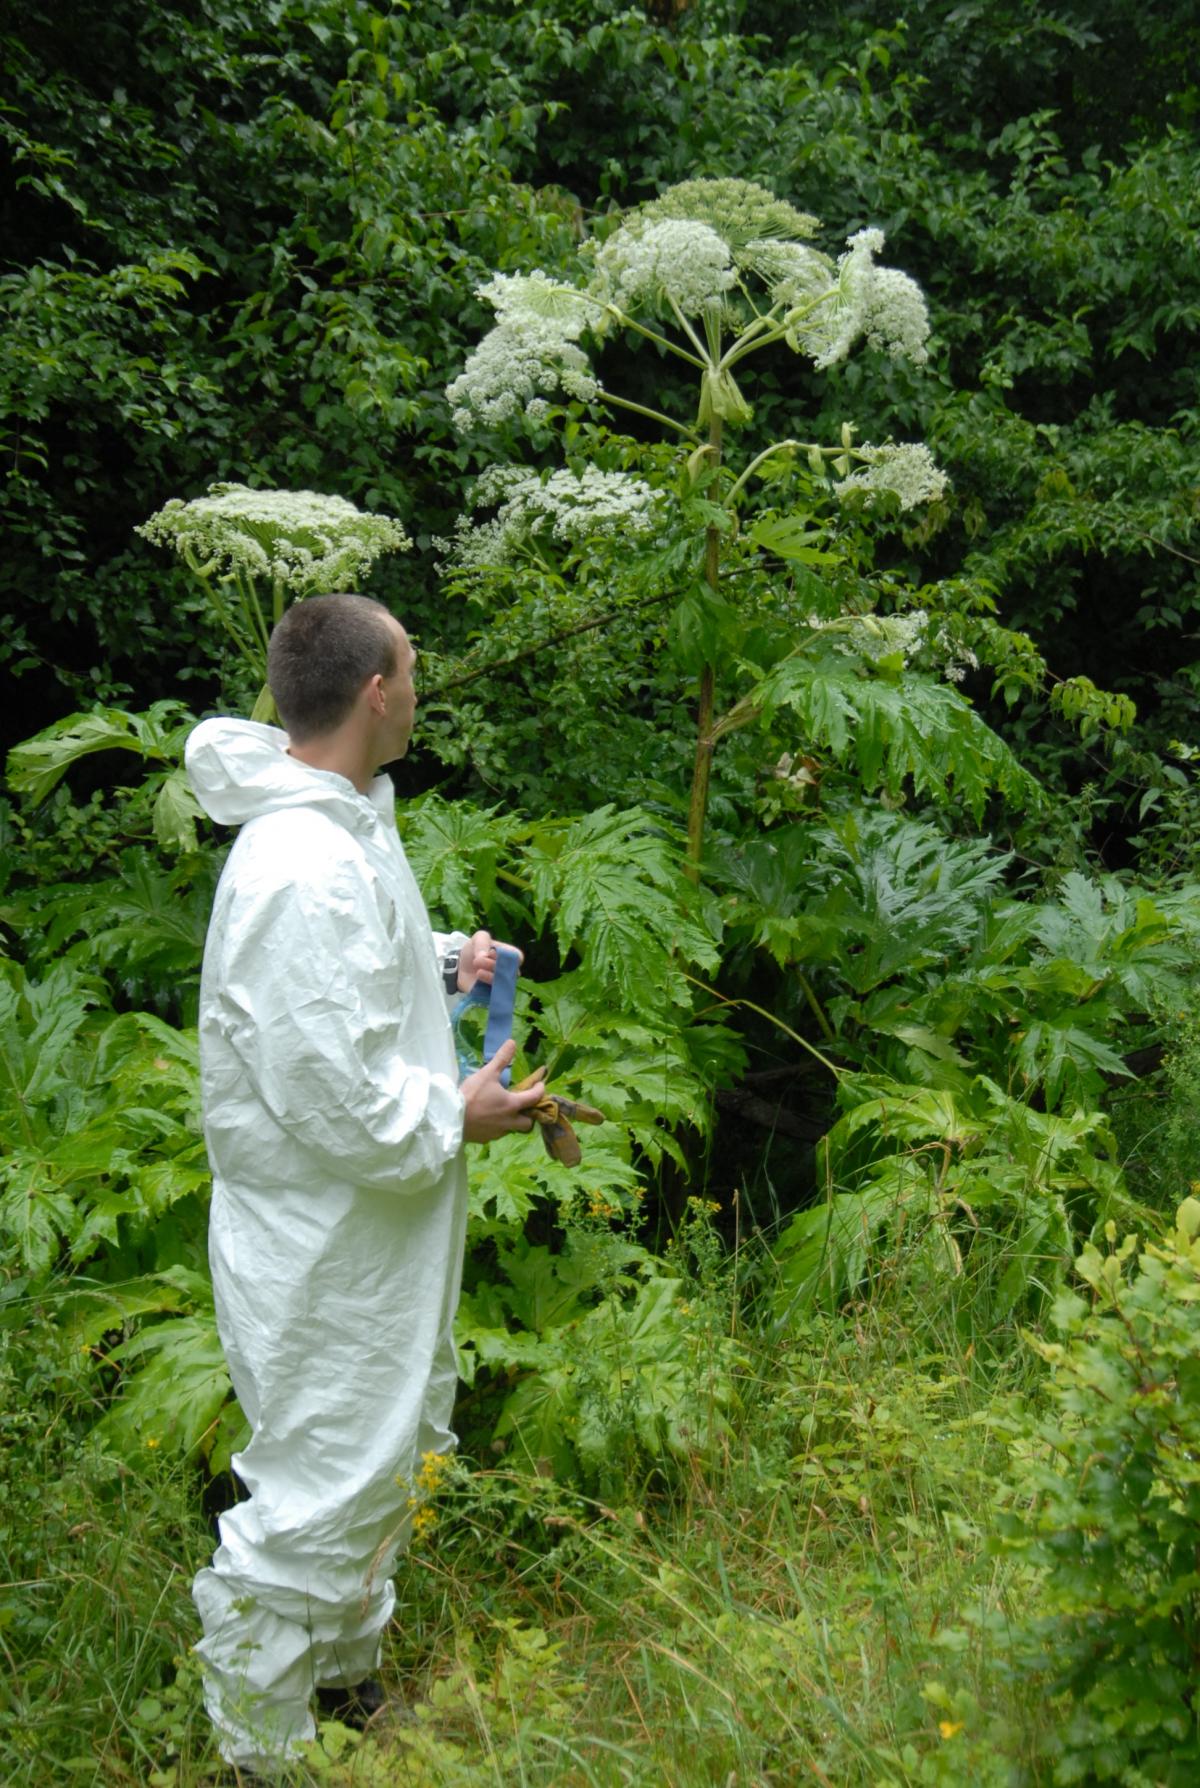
{"points": [[553, 1115]]}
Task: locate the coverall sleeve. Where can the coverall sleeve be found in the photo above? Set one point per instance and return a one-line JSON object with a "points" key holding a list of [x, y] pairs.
{"points": [[324, 1008]]}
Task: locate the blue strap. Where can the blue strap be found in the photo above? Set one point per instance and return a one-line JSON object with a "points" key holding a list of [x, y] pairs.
{"points": [[499, 999]]}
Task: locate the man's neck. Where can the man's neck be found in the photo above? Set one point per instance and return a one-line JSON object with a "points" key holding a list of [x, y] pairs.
{"points": [[345, 756]]}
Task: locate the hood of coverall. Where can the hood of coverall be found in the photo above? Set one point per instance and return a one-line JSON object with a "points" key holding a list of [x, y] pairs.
{"points": [[240, 769]]}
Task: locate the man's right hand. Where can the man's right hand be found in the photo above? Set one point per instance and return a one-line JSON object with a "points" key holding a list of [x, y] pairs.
{"points": [[492, 1110]]}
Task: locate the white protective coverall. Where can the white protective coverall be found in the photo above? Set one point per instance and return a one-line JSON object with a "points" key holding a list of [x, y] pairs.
{"points": [[334, 1127]]}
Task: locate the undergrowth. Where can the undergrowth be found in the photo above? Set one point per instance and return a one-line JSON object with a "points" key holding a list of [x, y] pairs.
{"points": [[813, 1600], [839, 1571], [96, 1559]]}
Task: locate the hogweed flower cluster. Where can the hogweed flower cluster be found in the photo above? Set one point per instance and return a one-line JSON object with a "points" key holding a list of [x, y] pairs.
{"points": [[794, 274], [954, 657], [568, 507], [679, 260], [876, 637], [905, 470], [531, 353], [309, 543], [696, 252]]}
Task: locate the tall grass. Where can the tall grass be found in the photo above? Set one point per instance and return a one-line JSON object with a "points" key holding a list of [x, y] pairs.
{"points": [[96, 1558], [810, 1601]]}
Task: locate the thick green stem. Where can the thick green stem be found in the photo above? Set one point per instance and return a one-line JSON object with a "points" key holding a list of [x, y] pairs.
{"points": [[243, 643], [706, 694], [768, 329], [767, 453], [627, 403], [816, 1008], [254, 615], [701, 770], [706, 359], [771, 1018]]}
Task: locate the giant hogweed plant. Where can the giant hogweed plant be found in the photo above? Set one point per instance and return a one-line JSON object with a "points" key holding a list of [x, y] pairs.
{"points": [[710, 275], [251, 553]]}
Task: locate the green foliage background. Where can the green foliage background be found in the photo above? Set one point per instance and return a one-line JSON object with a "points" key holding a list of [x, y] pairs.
{"points": [[886, 1088], [242, 244]]}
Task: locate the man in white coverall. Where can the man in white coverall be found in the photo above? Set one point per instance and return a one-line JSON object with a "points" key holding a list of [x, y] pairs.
{"points": [[335, 1122]]}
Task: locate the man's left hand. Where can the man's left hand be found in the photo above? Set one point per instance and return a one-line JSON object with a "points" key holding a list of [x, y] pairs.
{"points": [[477, 960]]}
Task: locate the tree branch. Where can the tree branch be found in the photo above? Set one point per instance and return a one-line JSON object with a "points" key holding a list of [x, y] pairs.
{"points": [[552, 639]]}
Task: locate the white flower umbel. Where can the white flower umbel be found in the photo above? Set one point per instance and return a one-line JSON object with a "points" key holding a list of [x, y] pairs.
{"points": [[894, 317], [876, 637], [739, 211], [531, 354], [884, 305], [831, 330], [954, 656], [677, 260], [906, 469], [567, 507], [309, 543], [522, 298]]}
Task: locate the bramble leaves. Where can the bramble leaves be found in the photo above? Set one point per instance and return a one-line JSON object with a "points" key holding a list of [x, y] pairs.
{"points": [[1104, 1497]]}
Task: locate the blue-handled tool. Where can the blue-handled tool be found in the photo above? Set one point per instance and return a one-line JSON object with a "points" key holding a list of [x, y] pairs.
{"points": [[499, 1000]]}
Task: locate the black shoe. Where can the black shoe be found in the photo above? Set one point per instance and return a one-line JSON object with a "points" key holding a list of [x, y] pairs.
{"points": [[353, 1705]]}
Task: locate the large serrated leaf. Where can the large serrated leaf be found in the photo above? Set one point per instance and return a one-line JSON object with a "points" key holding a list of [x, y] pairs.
{"points": [[37, 765], [893, 731]]}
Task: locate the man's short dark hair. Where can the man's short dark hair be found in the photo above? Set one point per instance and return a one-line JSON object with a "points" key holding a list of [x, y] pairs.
{"points": [[321, 653]]}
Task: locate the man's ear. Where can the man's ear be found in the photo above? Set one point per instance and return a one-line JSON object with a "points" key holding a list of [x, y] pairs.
{"points": [[376, 699]]}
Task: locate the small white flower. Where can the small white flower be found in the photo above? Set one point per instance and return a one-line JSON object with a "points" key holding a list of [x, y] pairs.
{"points": [[956, 658]]}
